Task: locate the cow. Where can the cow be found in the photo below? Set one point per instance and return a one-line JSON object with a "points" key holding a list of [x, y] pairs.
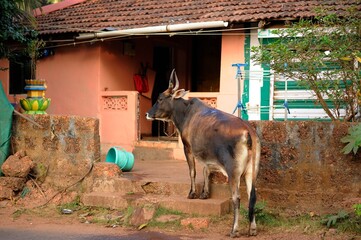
{"points": [[218, 140]]}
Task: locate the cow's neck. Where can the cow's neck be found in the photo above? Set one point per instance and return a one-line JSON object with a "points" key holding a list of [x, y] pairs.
{"points": [[180, 113]]}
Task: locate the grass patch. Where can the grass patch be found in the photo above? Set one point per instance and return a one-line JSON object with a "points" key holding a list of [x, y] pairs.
{"points": [[344, 221], [19, 213], [172, 224], [264, 216]]}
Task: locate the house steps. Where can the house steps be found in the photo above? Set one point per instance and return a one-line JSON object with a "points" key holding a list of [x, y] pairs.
{"points": [[153, 150], [123, 192], [179, 203], [160, 179]]}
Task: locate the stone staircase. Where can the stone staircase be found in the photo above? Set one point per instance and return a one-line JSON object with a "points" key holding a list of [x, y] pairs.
{"points": [[157, 178]]}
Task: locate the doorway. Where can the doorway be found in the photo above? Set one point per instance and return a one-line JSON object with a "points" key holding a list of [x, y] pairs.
{"points": [[162, 64]]}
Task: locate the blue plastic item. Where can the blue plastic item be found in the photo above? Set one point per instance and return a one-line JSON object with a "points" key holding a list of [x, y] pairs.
{"points": [[122, 158]]}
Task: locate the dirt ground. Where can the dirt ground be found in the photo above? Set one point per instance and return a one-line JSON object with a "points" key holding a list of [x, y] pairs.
{"points": [[50, 219]]}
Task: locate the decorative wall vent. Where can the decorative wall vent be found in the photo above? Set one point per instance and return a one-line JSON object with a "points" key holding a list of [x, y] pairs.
{"points": [[117, 103], [211, 101]]}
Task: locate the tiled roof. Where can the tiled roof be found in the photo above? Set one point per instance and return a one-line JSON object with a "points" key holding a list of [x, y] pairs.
{"points": [[95, 15]]}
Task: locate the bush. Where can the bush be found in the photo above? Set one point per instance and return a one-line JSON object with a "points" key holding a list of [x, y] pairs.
{"points": [[353, 139]]}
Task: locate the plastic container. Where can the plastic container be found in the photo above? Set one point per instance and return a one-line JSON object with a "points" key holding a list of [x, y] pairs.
{"points": [[124, 159]]}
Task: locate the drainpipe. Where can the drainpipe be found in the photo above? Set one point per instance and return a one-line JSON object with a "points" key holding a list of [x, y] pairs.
{"points": [[155, 29]]}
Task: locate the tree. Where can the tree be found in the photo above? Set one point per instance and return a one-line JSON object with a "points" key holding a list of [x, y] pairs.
{"points": [[323, 54], [16, 28]]}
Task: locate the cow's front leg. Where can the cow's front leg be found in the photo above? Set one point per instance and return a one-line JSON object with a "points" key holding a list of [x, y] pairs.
{"points": [[205, 192], [192, 172]]}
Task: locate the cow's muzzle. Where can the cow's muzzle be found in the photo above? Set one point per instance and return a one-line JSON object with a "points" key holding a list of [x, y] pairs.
{"points": [[148, 117]]}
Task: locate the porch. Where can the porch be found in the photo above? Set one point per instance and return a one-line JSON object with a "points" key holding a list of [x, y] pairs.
{"points": [[122, 123]]}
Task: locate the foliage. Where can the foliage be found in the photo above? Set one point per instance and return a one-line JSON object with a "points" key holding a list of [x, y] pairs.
{"points": [[324, 55], [33, 49], [15, 29], [343, 221], [357, 208], [353, 139], [263, 216], [332, 220]]}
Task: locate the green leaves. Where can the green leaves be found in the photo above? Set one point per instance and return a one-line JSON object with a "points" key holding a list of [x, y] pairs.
{"points": [[320, 54], [332, 220], [353, 140]]}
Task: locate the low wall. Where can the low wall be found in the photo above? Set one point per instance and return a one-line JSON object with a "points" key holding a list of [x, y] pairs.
{"points": [[66, 145], [302, 168]]}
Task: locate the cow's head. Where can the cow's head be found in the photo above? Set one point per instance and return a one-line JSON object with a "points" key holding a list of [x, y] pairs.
{"points": [[163, 108]]}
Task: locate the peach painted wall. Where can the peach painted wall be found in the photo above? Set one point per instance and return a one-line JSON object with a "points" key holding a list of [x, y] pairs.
{"points": [[232, 52], [72, 76], [77, 77]]}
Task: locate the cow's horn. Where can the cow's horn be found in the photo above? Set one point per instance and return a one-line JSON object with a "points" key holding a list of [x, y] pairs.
{"points": [[176, 81], [171, 80]]}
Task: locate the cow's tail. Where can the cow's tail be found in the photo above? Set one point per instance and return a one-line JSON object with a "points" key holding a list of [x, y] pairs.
{"points": [[255, 157], [252, 203]]}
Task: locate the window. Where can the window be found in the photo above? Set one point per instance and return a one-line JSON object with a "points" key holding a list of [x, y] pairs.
{"points": [[19, 70]]}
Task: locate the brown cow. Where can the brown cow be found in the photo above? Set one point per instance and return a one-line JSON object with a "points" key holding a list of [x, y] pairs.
{"points": [[218, 140]]}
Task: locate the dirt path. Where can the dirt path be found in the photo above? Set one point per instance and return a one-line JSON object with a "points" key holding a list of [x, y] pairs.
{"points": [[49, 219]]}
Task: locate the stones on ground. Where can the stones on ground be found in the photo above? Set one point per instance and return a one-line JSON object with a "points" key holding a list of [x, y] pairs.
{"points": [[106, 169], [6, 193], [13, 183], [142, 215], [16, 168], [195, 223]]}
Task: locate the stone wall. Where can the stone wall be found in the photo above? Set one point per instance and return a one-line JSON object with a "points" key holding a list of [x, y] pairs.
{"points": [[66, 145], [302, 167]]}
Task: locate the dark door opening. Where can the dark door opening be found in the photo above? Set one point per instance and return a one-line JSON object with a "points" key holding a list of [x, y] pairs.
{"points": [[206, 63], [162, 64]]}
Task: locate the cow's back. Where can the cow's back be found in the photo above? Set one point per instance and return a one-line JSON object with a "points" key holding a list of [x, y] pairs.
{"points": [[211, 132]]}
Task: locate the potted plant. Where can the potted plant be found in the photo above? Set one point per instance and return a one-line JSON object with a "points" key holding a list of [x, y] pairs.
{"points": [[35, 103]]}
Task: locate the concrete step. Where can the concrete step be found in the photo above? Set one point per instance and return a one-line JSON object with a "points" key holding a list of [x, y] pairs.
{"points": [[210, 206], [154, 150], [127, 185]]}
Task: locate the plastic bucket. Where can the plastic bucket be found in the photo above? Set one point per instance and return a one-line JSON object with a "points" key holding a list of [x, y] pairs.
{"points": [[124, 159]]}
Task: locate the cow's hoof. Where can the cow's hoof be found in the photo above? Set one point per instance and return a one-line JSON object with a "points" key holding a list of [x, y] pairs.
{"points": [[204, 195], [252, 232], [192, 195], [235, 234]]}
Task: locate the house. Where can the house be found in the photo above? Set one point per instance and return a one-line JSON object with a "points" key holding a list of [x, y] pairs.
{"points": [[99, 45]]}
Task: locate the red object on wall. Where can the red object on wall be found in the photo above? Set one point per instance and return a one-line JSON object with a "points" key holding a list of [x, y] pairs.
{"points": [[141, 83]]}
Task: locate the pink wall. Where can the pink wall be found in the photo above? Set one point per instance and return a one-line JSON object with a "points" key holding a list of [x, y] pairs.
{"points": [[232, 52], [77, 77], [72, 76]]}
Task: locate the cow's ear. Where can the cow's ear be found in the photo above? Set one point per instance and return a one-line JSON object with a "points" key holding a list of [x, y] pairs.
{"points": [[179, 94]]}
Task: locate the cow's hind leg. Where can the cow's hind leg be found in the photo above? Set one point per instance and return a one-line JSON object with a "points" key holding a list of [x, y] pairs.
{"points": [[251, 191], [234, 184], [205, 192]]}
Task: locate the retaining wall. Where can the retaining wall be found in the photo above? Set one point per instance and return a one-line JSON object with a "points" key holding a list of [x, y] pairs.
{"points": [[66, 145], [303, 169]]}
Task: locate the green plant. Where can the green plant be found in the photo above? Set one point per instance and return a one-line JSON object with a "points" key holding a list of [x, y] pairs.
{"points": [[357, 208], [34, 48], [353, 139], [332, 220], [320, 55], [263, 216], [74, 205]]}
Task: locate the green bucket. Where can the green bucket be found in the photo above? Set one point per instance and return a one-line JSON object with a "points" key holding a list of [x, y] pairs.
{"points": [[122, 158]]}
